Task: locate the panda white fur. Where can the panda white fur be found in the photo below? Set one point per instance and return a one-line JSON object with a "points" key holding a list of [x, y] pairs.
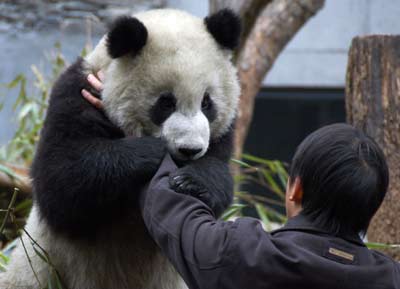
{"points": [[169, 85]]}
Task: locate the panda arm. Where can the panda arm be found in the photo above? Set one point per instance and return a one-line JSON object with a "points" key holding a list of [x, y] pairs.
{"points": [[86, 172], [81, 184], [222, 147], [209, 177]]}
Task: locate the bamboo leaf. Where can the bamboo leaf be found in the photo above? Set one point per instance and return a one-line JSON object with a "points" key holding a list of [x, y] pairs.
{"points": [[232, 211], [58, 280], [261, 211], [27, 108], [4, 258], [41, 256], [241, 163], [8, 172], [255, 159], [380, 246], [272, 183], [25, 205], [15, 81], [2, 267], [49, 282]]}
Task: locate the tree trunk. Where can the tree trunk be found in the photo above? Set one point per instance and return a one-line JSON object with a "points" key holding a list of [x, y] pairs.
{"points": [[276, 25], [373, 105]]}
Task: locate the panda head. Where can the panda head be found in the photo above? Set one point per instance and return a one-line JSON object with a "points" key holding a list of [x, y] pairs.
{"points": [[169, 74]]}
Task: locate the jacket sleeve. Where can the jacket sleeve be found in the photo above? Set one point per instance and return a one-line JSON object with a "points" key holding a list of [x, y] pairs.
{"points": [[198, 245]]}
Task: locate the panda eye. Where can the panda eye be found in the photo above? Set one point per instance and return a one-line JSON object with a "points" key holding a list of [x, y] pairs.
{"points": [[206, 104], [162, 108], [167, 101]]}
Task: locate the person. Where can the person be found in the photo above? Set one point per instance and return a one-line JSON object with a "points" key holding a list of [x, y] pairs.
{"points": [[338, 178]]}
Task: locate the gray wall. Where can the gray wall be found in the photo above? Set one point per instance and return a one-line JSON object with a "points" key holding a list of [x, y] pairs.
{"points": [[317, 56], [196, 7]]}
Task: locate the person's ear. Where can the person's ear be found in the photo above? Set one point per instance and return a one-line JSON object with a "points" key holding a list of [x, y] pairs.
{"points": [[296, 191]]}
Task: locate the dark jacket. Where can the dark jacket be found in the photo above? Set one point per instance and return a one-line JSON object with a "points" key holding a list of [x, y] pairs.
{"points": [[215, 254]]}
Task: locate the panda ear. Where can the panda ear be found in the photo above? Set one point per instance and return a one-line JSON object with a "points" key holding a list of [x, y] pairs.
{"points": [[225, 27], [127, 35]]}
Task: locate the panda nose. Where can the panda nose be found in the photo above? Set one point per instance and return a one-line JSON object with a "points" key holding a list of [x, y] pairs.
{"points": [[189, 152]]}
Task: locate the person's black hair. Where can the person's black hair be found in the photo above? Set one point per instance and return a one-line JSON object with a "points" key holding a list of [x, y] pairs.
{"points": [[344, 176]]}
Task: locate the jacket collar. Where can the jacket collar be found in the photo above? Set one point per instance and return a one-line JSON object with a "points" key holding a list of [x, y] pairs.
{"points": [[301, 223]]}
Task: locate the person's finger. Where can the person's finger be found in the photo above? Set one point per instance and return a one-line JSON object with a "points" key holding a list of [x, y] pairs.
{"points": [[100, 75], [93, 100], [95, 83]]}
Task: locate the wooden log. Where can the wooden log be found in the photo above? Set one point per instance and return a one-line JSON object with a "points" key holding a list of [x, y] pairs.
{"points": [[373, 105]]}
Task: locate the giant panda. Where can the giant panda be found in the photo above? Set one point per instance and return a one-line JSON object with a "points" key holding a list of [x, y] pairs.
{"points": [[169, 86]]}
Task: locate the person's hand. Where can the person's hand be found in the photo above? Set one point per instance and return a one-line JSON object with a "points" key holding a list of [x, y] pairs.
{"points": [[96, 81]]}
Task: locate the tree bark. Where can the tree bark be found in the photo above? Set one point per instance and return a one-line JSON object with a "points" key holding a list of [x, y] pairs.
{"points": [[373, 105], [276, 25]]}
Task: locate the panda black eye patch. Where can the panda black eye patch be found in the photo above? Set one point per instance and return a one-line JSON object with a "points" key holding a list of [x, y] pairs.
{"points": [[163, 108], [208, 107]]}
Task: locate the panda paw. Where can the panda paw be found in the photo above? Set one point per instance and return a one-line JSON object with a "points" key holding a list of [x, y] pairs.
{"points": [[184, 183], [207, 180]]}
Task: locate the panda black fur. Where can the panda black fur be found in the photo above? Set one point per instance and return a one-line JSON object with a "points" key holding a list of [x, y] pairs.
{"points": [[88, 170]]}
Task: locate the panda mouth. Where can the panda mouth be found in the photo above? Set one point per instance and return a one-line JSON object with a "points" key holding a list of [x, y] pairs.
{"points": [[186, 154], [181, 161]]}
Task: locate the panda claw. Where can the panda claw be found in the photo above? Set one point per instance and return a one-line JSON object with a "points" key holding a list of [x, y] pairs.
{"points": [[179, 181]]}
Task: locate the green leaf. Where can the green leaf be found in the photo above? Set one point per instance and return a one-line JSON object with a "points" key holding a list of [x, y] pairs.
{"points": [[4, 258], [58, 280], [241, 163], [272, 183], [15, 81], [23, 206], [27, 108], [380, 246], [49, 282], [41, 255], [22, 94], [261, 211], [232, 211], [8, 172], [256, 159], [2, 267], [273, 214]]}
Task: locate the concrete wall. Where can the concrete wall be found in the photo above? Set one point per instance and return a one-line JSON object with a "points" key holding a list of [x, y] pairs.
{"points": [[317, 56], [196, 7]]}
